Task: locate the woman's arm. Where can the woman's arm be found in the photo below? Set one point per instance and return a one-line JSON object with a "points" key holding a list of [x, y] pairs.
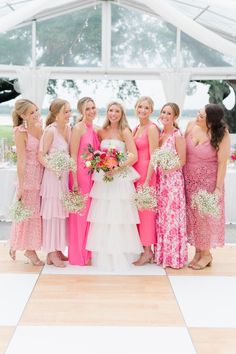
{"points": [[76, 134], [46, 144], [222, 157], [20, 141], [153, 139], [130, 147]]}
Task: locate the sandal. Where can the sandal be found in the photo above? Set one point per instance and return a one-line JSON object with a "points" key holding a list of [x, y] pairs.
{"points": [[33, 258], [201, 264], [195, 259], [144, 259]]}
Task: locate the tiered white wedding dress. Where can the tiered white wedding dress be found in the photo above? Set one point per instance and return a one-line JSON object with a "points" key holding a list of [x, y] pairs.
{"points": [[113, 236]]}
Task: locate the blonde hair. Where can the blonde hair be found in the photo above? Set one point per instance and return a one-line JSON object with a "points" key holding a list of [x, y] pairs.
{"points": [[54, 108], [142, 99], [20, 108], [175, 109], [123, 122], [81, 105]]}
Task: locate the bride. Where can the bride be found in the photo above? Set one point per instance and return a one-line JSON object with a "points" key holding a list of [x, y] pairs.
{"points": [[113, 237]]}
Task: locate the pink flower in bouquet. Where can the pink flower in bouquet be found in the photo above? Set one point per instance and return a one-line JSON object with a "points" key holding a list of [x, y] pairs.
{"points": [[103, 155], [233, 156], [89, 157]]}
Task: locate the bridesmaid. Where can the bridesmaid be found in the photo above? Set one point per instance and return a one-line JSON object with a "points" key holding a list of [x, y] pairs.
{"points": [[56, 137], [26, 235], [171, 248], [83, 134], [146, 136], [208, 149]]}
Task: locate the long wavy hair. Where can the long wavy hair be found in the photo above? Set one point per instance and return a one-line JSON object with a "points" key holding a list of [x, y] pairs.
{"points": [[54, 109], [215, 123], [123, 122]]}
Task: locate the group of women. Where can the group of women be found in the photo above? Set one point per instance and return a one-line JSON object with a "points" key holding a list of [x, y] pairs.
{"points": [[111, 233]]}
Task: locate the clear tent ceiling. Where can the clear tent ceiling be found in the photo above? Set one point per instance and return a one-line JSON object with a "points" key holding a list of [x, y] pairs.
{"points": [[150, 46], [220, 19]]}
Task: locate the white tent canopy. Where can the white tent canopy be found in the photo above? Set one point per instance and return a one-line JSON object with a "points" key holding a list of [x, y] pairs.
{"points": [[209, 24]]}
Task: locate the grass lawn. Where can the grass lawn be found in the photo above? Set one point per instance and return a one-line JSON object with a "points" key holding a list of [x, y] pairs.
{"points": [[6, 132]]}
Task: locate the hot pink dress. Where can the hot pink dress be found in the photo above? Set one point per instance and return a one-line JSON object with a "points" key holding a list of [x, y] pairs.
{"points": [[146, 228], [171, 248], [78, 225], [27, 235], [200, 172], [52, 210]]}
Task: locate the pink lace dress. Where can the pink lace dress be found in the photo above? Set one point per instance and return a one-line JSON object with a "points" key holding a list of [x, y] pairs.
{"points": [[52, 210], [171, 248], [146, 228], [78, 225], [200, 172], [27, 235]]}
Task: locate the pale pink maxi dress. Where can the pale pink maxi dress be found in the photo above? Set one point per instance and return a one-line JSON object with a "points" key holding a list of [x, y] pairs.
{"points": [[52, 210], [27, 235], [200, 172], [78, 226], [147, 227]]}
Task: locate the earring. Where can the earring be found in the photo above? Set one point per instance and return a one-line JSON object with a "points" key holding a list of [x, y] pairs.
{"points": [[25, 124]]}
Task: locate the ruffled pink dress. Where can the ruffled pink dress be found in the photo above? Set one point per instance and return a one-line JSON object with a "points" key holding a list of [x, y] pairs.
{"points": [[147, 226], [52, 210], [200, 172], [27, 235], [171, 249], [78, 225]]}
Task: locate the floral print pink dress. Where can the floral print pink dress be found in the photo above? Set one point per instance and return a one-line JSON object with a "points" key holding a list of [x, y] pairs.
{"points": [[27, 234], [171, 249]]}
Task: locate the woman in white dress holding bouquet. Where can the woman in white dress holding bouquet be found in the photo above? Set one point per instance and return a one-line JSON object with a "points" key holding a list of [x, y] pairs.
{"points": [[113, 237]]}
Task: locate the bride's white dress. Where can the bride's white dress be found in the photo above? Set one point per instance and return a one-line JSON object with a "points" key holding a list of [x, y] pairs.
{"points": [[113, 236]]}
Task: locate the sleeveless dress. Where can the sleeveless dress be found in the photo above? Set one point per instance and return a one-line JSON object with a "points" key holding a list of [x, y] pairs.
{"points": [[171, 248], [53, 213], [147, 227], [200, 172], [27, 234], [113, 236], [77, 224]]}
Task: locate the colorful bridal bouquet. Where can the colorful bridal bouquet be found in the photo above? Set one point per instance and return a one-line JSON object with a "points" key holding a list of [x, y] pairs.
{"points": [[166, 159], [105, 160], [59, 162], [74, 202], [19, 212], [206, 203], [145, 198]]}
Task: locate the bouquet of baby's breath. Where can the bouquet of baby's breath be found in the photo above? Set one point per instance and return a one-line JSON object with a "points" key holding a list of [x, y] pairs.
{"points": [[74, 202], [145, 198], [206, 203], [19, 212], [59, 162], [165, 158]]}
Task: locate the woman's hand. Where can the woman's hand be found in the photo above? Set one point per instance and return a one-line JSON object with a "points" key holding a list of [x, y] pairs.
{"points": [[217, 191], [19, 194]]}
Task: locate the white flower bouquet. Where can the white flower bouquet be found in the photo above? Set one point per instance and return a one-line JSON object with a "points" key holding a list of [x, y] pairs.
{"points": [[145, 198], [74, 202], [59, 162], [166, 159], [19, 212], [206, 203]]}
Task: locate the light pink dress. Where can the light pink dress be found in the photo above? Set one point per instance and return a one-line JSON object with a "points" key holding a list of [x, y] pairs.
{"points": [[200, 172], [78, 225], [27, 235], [171, 248], [53, 213], [146, 228]]}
